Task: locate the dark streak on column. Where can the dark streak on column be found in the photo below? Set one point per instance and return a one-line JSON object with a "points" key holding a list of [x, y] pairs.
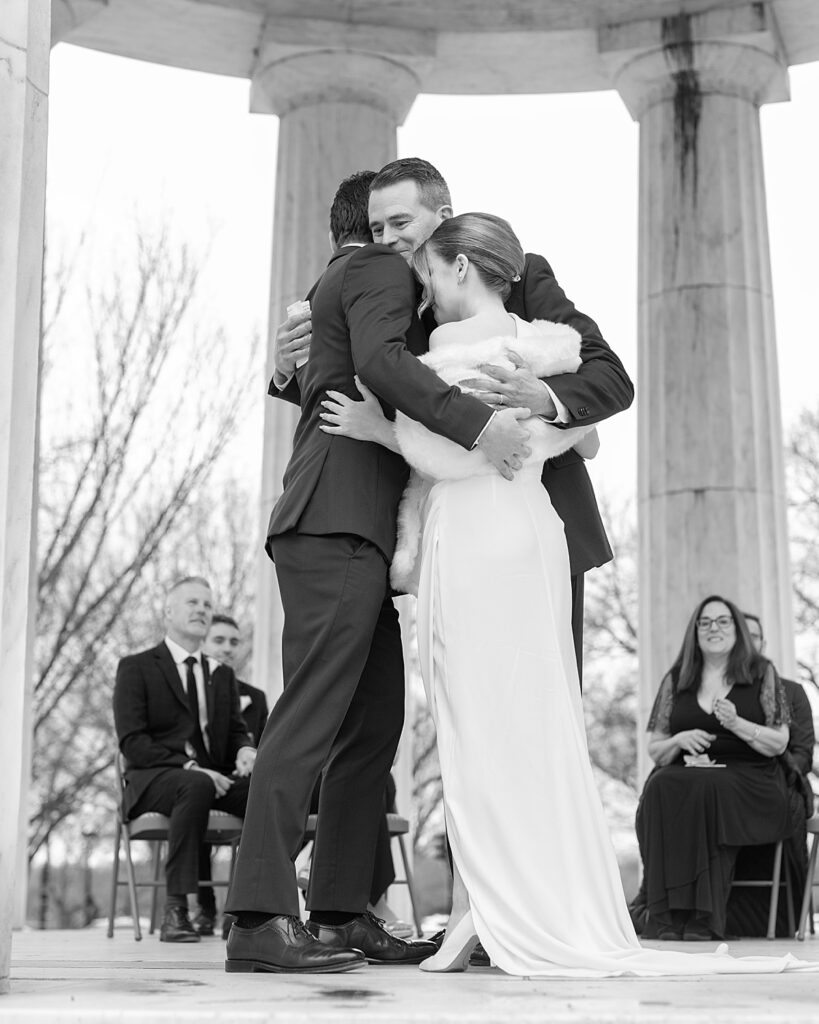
{"points": [[678, 47]]}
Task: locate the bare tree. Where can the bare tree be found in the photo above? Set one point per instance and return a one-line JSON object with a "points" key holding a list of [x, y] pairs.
{"points": [[610, 650], [139, 407], [802, 454]]}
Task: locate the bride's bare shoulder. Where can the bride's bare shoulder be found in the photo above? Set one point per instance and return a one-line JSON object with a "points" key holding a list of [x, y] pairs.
{"points": [[475, 328]]}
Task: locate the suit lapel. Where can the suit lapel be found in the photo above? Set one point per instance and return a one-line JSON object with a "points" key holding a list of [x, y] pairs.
{"points": [[169, 671]]}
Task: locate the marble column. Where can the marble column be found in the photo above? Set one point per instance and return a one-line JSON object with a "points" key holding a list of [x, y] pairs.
{"points": [[338, 114], [24, 53], [710, 459]]}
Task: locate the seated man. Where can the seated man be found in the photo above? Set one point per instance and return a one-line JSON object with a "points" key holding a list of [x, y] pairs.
{"points": [[184, 741], [222, 644]]}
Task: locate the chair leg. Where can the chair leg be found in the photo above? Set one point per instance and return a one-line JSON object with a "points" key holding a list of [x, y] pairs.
{"points": [[410, 884], [157, 865], [129, 869], [112, 906], [789, 898], [807, 897], [777, 871]]}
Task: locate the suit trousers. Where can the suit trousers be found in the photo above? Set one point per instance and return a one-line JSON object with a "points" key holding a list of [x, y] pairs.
{"points": [[340, 716], [578, 588], [187, 797]]}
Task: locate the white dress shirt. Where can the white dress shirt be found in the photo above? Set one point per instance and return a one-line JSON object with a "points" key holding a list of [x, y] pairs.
{"points": [[179, 654]]}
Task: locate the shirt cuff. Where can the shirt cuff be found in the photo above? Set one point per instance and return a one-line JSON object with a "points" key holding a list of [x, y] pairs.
{"points": [[562, 413], [477, 440], [280, 380]]}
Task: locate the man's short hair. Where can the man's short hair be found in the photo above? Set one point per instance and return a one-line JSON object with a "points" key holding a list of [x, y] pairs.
{"points": [[224, 620], [188, 579], [432, 186], [349, 221]]}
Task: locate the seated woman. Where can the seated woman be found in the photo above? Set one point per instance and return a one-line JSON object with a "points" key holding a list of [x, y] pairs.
{"points": [[718, 726]]}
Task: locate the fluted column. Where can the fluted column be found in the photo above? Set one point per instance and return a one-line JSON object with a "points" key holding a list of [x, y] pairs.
{"points": [[339, 113], [710, 461], [24, 51]]}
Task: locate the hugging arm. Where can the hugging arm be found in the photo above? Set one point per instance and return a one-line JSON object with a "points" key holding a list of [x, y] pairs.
{"points": [[378, 297], [361, 420], [600, 387]]}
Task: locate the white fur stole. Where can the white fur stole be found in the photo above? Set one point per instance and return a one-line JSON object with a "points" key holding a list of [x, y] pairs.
{"points": [[547, 349]]}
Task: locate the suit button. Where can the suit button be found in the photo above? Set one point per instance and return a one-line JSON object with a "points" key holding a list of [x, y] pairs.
{"points": [[582, 411]]}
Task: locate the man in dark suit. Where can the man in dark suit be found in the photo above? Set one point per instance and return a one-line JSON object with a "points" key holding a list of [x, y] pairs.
{"points": [[798, 756], [223, 642], [408, 199], [184, 741], [332, 535]]}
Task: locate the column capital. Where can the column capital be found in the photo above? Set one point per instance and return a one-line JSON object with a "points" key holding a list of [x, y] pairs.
{"points": [[303, 62], [732, 51]]}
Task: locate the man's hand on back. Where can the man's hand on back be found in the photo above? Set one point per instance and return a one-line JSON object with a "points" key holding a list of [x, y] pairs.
{"points": [[292, 345], [504, 441]]}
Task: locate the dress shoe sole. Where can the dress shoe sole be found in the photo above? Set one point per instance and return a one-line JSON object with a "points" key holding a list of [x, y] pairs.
{"points": [[180, 938], [410, 961], [263, 967]]}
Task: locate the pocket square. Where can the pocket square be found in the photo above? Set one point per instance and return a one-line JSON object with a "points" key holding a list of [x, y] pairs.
{"points": [[245, 701]]}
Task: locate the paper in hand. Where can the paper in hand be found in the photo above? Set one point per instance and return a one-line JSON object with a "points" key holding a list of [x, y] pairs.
{"points": [[300, 308]]}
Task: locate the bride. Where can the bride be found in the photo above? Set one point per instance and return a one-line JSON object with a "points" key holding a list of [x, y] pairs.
{"points": [[535, 875]]}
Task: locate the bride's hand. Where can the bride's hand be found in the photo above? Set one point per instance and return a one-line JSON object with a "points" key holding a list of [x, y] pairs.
{"points": [[517, 389], [362, 421]]}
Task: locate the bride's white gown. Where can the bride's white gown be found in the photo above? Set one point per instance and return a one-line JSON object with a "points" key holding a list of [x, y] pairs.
{"points": [[523, 815]]}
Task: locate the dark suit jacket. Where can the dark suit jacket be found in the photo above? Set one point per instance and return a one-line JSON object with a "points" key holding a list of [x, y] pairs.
{"points": [[599, 389], [798, 757], [255, 713], [364, 322], [154, 723]]}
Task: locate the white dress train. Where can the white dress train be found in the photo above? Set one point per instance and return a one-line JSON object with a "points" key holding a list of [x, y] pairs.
{"points": [[524, 819]]}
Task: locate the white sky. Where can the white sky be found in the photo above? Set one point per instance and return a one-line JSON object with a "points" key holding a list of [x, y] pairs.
{"points": [[133, 142]]}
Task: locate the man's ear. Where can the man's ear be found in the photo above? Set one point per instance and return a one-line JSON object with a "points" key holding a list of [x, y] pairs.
{"points": [[445, 212]]}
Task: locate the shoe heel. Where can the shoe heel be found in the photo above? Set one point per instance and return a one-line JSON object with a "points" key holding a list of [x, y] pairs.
{"points": [[240, 967]]}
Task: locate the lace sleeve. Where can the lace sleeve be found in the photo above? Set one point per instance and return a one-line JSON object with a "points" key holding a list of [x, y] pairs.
{"points": [[773, 699], [660, 718]]}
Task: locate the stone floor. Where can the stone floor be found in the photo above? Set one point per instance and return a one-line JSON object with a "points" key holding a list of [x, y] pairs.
{"points": [[82, 977]]}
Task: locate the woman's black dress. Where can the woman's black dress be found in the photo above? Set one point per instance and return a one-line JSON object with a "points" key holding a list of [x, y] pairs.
{"points": [[691, 822]]}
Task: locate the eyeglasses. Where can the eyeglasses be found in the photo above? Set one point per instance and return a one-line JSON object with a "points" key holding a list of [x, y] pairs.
{"points": [[722, 622]]}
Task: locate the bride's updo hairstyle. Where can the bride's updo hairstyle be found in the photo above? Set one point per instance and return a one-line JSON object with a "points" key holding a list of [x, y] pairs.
{"points": [[488, 242]]}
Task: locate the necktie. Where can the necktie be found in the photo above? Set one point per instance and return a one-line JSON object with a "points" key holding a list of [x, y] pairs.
{"points": [[193, 704]]}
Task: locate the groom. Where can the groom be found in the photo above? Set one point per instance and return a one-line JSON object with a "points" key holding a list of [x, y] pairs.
{"points": [[332, 535], [408, 199]]}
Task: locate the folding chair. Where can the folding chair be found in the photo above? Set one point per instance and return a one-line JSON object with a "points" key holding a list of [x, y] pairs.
{"points": [[223, 830], [774, 883], [807, 895], [397, 827]]}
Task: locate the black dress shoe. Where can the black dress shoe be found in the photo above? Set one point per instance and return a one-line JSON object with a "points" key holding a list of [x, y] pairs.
{"points": [[479, 958], [367, 933], [697, 931], [177, 927], [283, 945], [228, 920], [438, 938], [205, 922]]}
